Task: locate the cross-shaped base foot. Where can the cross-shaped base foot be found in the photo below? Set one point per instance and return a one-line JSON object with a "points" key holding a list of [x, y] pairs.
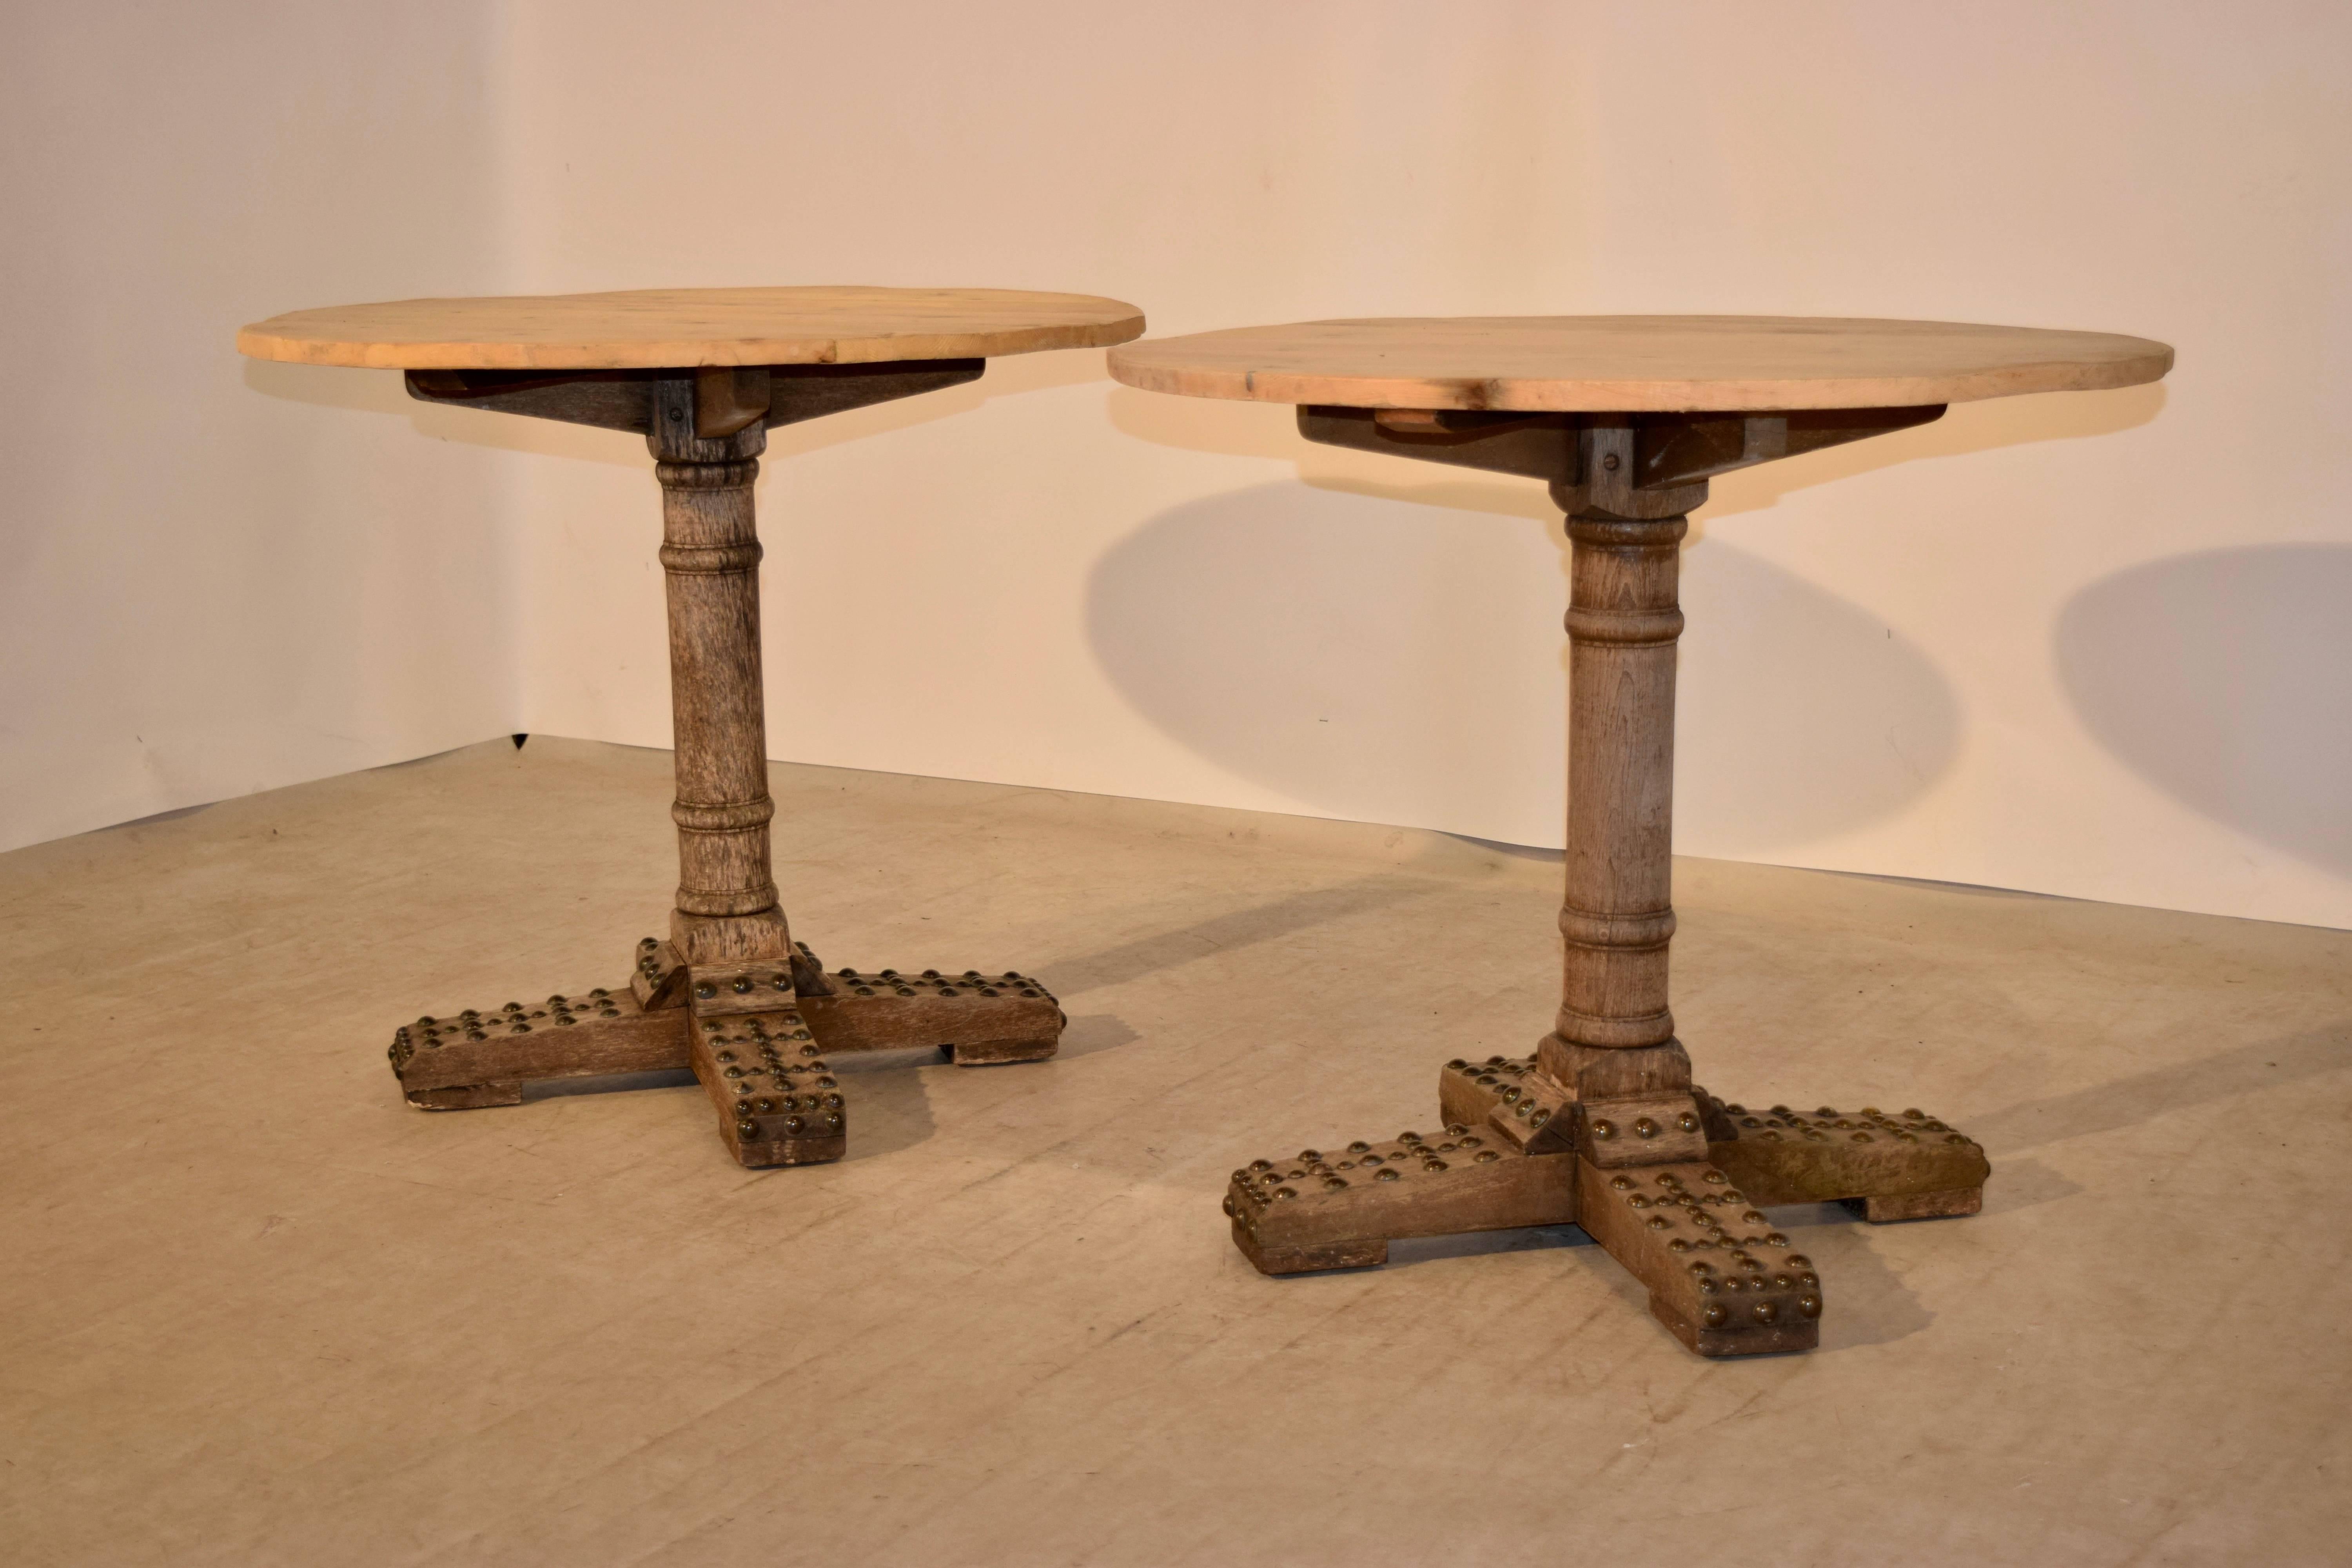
{"points": [[1672, 1186], [755, 1033]]}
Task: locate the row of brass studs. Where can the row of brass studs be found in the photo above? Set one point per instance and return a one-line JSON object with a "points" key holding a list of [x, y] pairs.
{"points": [[1861, 1127], [432, 1032], [1604, 1130], [1491, 1074], [818, 1111], [1750, 1277], [1265, 1182], [932, 980], [743, 985]]}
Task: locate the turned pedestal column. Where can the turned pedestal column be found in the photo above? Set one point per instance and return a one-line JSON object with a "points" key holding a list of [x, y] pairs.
{"points": [[1627, 419]]}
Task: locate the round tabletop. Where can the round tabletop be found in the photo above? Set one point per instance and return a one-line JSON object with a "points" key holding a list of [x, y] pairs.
{"points": [[1631, 364], [665, 329]]}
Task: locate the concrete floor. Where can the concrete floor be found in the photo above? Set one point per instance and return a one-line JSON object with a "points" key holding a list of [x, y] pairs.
{"points": [[256, 1310]]}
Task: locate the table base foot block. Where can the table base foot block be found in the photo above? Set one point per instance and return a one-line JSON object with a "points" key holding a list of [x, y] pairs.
{"points": [[1670, 1183], [978, 1019], [1907, 1165], [483, 1057], [1318, 1211], [760, 1064], [1720, 1278]]}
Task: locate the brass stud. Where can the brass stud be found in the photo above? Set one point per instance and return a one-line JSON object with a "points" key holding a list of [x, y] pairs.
{"points": [[1357, 1147], [1623, 1183], [1487, 1155], [1765, 1311], [1387, 1173], [1228, 1205], [1662, 1222], [705, 991], [1809, 1305], [1799, 1260], [1644, 1127], [1714, 1317], [1285, 1191], [747, 1128], [1604, 1131], [1687, 1121]]}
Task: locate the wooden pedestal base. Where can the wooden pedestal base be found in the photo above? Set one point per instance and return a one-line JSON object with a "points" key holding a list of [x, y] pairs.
{"points": [[755, 1033], [1672, 1185]]}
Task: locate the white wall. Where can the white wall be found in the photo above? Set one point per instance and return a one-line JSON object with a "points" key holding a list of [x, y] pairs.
{"points": [[223, 576], [2091, 645]]}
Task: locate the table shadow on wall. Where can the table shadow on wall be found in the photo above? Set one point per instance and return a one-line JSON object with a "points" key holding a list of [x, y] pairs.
{"points": [[1330, 644], [2225, 678]]}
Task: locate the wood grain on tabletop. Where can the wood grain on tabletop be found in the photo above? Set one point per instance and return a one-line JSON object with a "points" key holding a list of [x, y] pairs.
{"points": [[669, 328], [1624, 365]]}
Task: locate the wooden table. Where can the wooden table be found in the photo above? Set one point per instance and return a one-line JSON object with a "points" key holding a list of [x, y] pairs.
{"points": [[702, 375], [1628, 418]]}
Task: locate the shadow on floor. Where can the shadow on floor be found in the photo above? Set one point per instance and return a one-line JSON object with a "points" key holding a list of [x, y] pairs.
{"points": [[2144, 1096], [1220, 933]]}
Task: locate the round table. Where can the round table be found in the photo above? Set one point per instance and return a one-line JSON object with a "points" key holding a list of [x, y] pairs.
{"points": [[703, 374], [1627, 418]]}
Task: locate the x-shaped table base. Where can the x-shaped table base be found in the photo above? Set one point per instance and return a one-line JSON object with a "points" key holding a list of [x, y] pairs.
{"points": [[1672, 1186], [756, 1035]]}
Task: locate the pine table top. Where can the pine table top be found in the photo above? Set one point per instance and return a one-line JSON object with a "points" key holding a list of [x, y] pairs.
{"points": [[654, 328], [1627, 365]]}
